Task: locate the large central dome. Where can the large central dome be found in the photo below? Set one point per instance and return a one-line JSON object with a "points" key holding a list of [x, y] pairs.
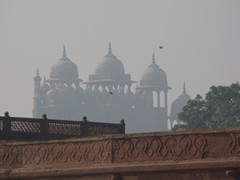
{"points": [[64, 70], [110, 65]]}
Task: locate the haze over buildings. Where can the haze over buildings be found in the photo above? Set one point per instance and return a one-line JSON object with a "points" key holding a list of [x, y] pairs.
{"points": [[201, 42], [107, 95]]}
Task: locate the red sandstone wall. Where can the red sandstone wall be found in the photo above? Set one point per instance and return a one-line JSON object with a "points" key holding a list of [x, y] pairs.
{"points": [[195, 155]]}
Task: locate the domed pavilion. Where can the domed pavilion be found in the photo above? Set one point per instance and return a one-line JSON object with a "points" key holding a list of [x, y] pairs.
{"points": [[154, 80], [110, 75], [64, 71], [107, 95]]}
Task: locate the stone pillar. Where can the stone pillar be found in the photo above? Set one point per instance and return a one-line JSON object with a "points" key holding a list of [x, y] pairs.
{"points": [[115, 88], [165, 94], [36, 96], [158, 99]]}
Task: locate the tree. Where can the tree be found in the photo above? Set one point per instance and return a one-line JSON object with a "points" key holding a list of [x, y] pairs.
{"points": [[220, 109]]}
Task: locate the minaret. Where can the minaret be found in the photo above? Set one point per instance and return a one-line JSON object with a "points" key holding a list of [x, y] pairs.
{"points": [[36, 97]]}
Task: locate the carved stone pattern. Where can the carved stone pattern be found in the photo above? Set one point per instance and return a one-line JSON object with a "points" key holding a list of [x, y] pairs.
{"points": [[96, 130], [68, 129], [21, 126], [67, 154], [10, 157], [234, 145], [159, 148], [118, 149]]}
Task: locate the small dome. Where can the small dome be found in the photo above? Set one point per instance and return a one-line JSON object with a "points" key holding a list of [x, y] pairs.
{"points": [[60, 96], [153, 76], [110, 65], [178, 104], [44, 86], [64, 69]]}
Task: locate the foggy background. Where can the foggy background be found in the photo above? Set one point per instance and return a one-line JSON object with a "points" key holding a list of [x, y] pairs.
{"points": [[201, 41]]}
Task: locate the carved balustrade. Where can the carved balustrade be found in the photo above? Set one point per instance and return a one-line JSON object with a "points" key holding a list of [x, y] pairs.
{"points": [[32, 128]]}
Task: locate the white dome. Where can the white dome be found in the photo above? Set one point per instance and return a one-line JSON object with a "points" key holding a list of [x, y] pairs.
{"points": [[153, 76], [178, 104], [110, 65], [64, 70]]}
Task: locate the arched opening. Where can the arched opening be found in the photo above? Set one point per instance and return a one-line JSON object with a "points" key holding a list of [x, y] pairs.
{"points": [[100, 88], [155, 99], [162, 99]]}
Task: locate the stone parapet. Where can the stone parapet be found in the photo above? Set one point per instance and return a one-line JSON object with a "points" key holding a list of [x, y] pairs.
{"points": [[213, 150]]}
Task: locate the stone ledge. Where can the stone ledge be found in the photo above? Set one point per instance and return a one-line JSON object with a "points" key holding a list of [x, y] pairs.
{"points": [[202, 150], [228, 164]]}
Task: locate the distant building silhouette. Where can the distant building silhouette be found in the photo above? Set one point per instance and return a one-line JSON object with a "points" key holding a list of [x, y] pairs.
{"points": [[107, 95], [177, 106]]}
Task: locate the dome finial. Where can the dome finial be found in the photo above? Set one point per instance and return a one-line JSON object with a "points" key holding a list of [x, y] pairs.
{"points": [[37, 72], [64, 51], [184, 87], [109, 48], [37, 78], [153, 59]]}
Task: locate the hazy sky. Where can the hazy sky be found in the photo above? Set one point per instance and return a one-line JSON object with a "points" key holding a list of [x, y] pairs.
{"points": [[201, 41]]}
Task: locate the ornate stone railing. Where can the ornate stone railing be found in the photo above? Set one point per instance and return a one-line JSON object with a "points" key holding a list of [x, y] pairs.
{"points": [[32, 128]]}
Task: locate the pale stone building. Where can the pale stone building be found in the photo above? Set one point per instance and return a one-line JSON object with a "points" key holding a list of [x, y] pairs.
{"points": [[177, 107], [107, 95]]}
